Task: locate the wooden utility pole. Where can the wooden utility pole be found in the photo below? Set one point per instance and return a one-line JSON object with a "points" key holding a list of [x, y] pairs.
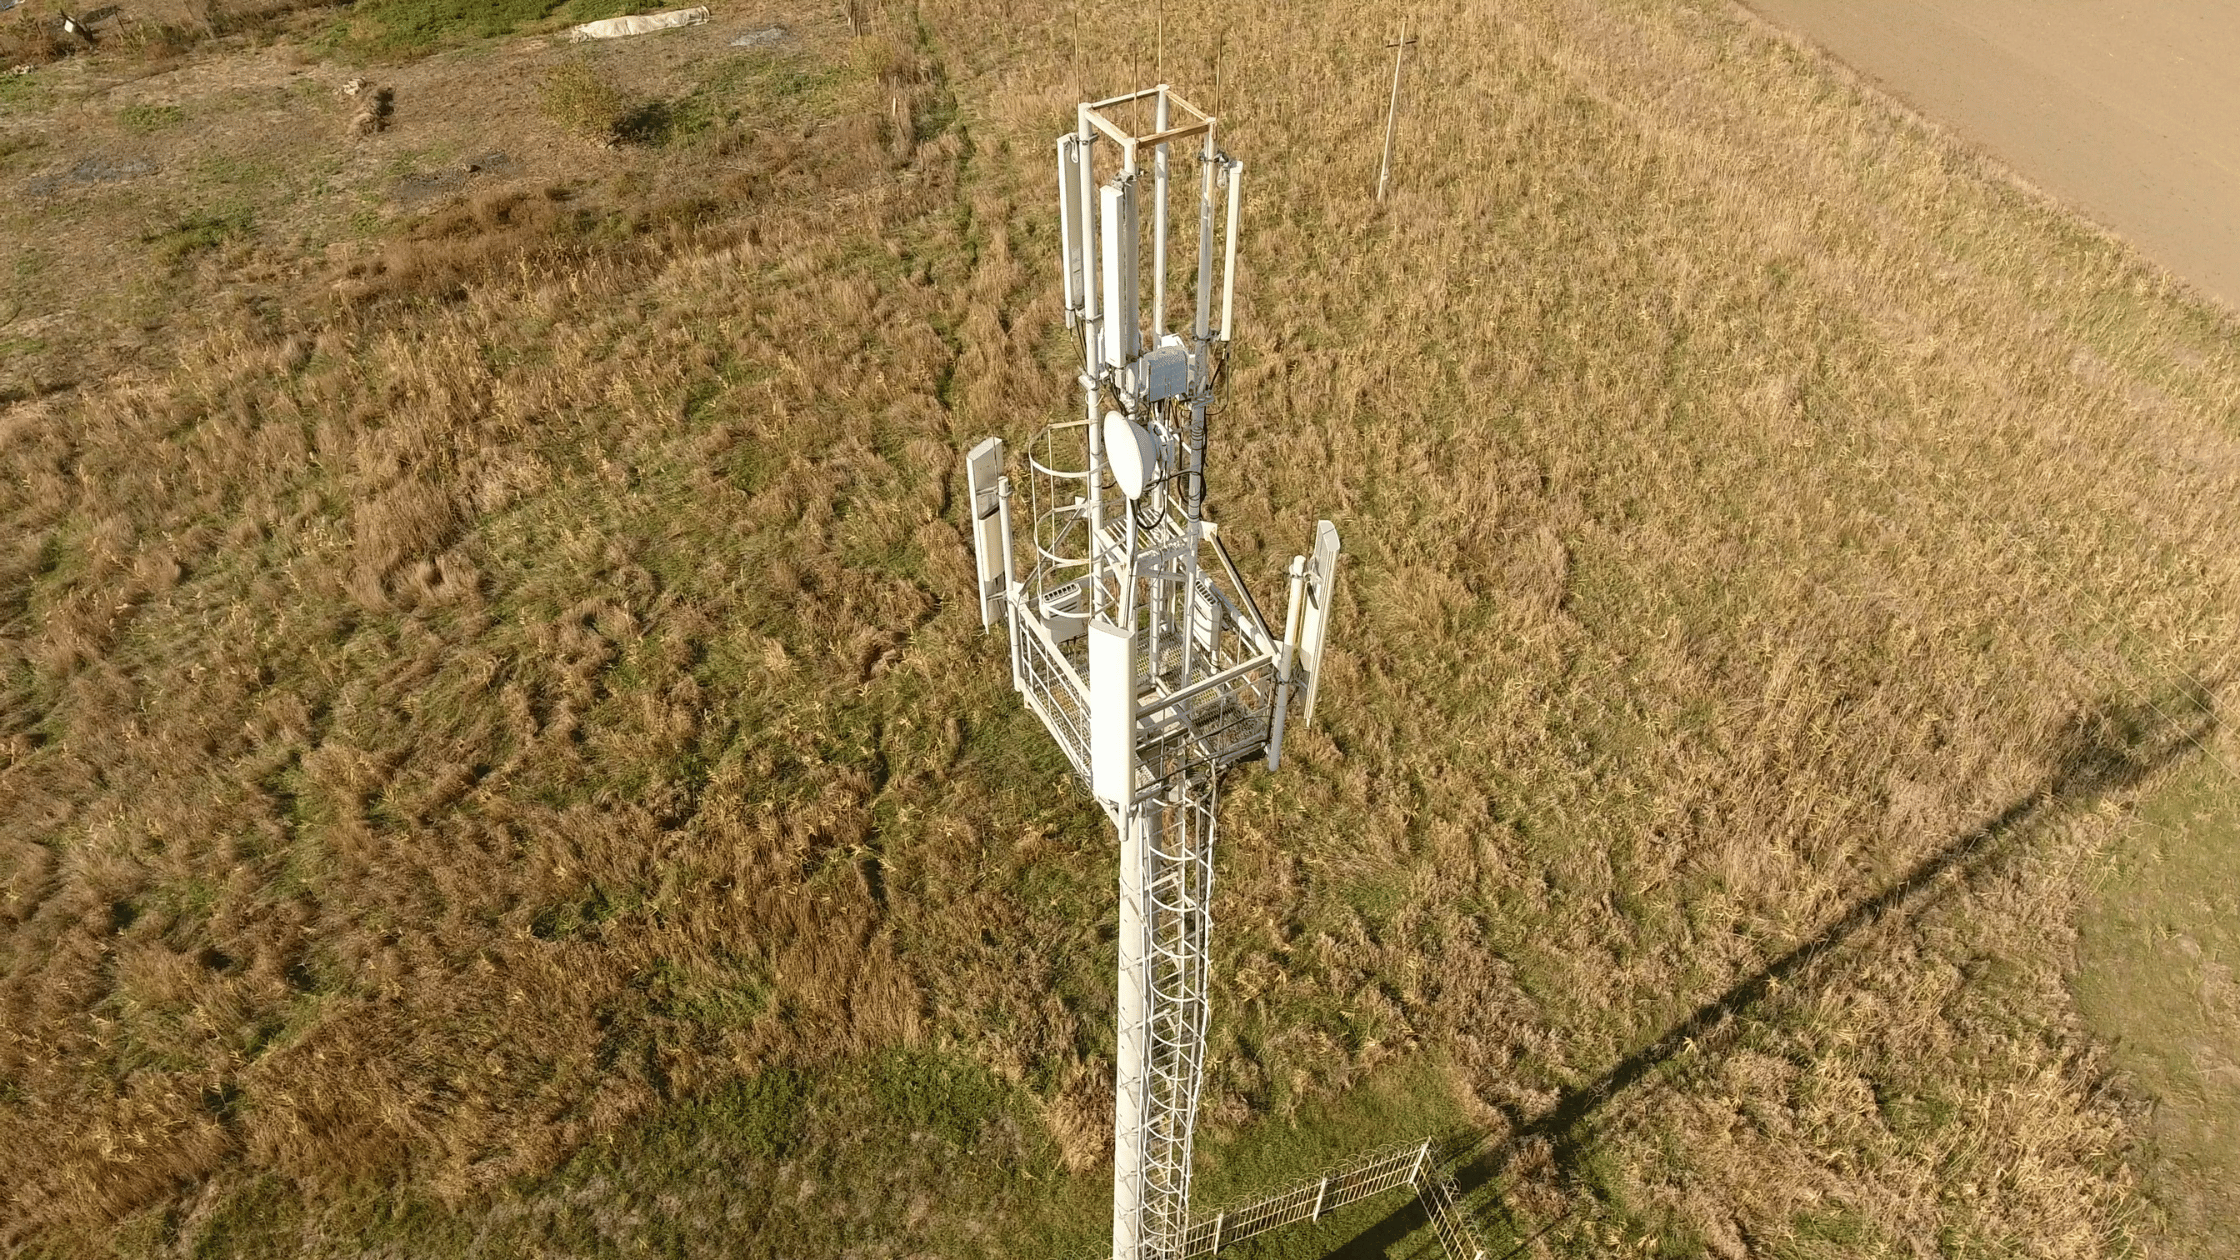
{"points": [[1392, 112]]}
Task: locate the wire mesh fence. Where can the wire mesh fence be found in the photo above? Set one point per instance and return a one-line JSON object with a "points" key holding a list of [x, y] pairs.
{"points": [[1413, 1165], [1443, 1204], [1308, 1200]]}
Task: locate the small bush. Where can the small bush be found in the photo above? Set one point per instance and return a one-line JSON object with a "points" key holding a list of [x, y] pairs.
{"points": [[197, 232], [577, 98], [150, 118], [31, 36]]}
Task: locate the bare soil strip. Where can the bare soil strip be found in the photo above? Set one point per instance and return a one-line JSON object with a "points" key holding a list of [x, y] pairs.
{"points": [[2123, 109]]}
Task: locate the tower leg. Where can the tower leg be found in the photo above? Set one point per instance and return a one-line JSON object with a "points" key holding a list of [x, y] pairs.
{"points": [[1132, 1099], [1166, 888]]}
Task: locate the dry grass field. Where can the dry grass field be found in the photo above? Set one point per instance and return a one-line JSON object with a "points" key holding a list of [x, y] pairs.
{"points": [[495, 757]]}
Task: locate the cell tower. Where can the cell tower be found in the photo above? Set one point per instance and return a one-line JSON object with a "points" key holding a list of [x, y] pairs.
{"points": [[1132, 635]]}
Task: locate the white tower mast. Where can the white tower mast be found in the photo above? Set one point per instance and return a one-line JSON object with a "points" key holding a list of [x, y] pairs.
{"points": [[1132, 635]]}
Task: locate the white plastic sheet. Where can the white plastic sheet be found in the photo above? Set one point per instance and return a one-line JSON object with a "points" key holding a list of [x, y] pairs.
{"points": [[642, 24]]}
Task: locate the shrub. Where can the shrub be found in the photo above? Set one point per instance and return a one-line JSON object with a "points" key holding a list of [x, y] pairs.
{"points": [[149, 118], [197, 232], [581, 101], [31, 35]]}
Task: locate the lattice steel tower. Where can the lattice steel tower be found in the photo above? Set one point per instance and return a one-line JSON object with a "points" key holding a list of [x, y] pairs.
{"points": [[1132, 635]]}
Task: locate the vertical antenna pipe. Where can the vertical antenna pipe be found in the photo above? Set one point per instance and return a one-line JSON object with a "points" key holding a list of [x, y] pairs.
{"points": [[1207, 160], [1122, 308], [1158, 614], [1119, 225], [1283, 662], [1069, 227], [1092, 318], [1091, 309], [1193, 492], [1392, 111], [1194, 457], [1010, 580], [1128, 582], [1159, 222], [1229, 263]]}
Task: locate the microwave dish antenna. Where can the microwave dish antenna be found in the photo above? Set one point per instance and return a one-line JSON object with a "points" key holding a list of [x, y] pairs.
{"points": [[1133, 459]]}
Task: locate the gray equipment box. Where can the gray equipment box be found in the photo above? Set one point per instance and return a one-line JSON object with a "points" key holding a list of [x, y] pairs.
{"points": [[1166, 370]]}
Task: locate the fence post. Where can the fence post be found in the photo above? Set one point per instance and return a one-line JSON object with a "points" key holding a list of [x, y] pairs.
{"points": [[1218, 1219], [1415, 1174], [1320, 1191]]}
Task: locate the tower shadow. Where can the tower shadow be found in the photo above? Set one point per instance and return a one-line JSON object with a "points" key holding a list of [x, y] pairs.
{"points": [[2107, 749]]}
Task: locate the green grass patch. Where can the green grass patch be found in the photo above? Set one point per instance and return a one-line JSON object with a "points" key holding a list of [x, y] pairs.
{"points": [[191, 234], [407, 27], [144, 119], [1409, 1100], [730, 999], [2156, 957], [579, 98], [1406, 1101], [741, 89], [22, 91], [951, 1097], [396, 28]]}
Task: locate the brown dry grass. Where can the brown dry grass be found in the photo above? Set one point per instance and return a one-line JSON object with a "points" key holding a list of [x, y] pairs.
{"points": [[450, 734], [149, 31]]}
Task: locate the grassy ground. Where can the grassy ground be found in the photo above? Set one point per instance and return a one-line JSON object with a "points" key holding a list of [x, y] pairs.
{"points": [[493, 757], [2156, 958]]}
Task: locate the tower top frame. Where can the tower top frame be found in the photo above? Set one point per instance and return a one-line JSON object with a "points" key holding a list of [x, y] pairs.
{"points": [[1101, 117]]}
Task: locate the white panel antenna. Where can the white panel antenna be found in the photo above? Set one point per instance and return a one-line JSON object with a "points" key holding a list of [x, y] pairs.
{"points": [[1070, 233], [1132, 635], [1314, 623], [983, 470]]}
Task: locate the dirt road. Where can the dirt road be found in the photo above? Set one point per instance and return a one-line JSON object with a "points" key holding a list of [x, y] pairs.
{"points": [[2124, 108]]}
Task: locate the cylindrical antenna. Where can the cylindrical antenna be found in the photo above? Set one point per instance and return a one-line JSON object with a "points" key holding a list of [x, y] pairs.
{"points": [[1069, 227], [1207, 160], [1117, 209], [1010, 582], [1283, 661], [1093, 440], [1229, 264], [1159, 221], [1092, 309], [1194, 457]]}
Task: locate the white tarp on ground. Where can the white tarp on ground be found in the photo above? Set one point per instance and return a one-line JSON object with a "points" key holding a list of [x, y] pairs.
{"points": [[615, 28]]}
